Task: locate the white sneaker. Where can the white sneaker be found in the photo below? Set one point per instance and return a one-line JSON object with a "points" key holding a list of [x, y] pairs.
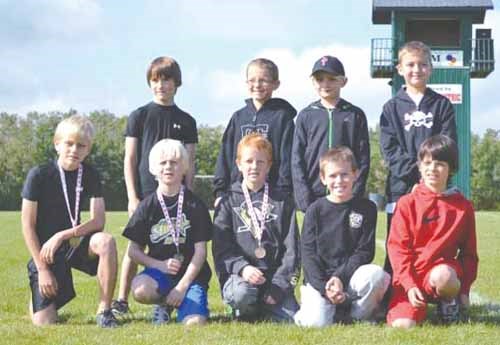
{"points": [[161, 314]]}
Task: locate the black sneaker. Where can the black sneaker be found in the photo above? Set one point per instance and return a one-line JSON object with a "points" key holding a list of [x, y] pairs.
{"points": [[448, 311], [161, 314], [106, 319], [119, 307]]}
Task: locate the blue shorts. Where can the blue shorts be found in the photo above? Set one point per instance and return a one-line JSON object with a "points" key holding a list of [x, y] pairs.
{"points": [[195, 302]]}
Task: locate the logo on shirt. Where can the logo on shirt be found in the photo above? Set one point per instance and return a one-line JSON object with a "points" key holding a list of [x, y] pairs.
{"points": [[418, 119], [244, 216], [427, 220], [355, 220], [262, 129], [176, 126], [160, 233]]}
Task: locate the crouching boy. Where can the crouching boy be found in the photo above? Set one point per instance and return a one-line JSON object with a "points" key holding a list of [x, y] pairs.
{"points": [[337, 247], [56, 238], [175, 226], [256, 245], [432, 242]]}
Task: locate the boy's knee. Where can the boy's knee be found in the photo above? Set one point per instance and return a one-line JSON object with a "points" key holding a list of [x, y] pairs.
{"points": [[312, 318], [403, 323], [194, 320], [44, 317], [371, 275], [144, 291], [103, 243], [444, 280]]}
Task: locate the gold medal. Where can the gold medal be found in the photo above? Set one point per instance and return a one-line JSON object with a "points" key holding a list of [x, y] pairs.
{"points": [[260, 252], [179, 257]]}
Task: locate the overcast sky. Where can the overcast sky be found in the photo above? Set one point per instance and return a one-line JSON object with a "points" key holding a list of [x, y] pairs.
{"points": [[92, 55]]}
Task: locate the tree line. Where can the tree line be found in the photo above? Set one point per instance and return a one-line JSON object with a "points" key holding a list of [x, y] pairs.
{"points": [[26, 141]]}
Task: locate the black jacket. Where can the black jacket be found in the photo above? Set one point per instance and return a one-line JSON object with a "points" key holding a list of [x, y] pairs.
{"points": [[234, 245], [337, 239], [403, 128], [311, 140], [275, 121]]}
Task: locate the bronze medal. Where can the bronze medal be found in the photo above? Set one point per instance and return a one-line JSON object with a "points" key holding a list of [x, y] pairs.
{"points": [[260, 252], [179, 257]]}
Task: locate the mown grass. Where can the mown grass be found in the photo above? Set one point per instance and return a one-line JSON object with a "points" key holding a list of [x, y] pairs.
{"points": [[77, 324]]}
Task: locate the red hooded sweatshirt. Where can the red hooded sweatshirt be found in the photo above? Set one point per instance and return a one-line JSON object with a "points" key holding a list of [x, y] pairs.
{"points": [[431, 228]]}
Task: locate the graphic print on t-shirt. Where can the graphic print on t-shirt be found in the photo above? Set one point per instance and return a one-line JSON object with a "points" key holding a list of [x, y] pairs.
{"points": [[418, 119], [160, 232], [262, 129], [242, 213]]}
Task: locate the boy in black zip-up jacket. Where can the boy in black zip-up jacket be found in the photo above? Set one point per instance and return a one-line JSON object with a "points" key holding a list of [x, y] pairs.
{"points": [[337, 247], [271, 117], [414, 114], [326, 123], [256, 240]]}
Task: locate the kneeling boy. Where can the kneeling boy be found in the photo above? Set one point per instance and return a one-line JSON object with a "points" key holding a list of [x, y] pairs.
{"points": [[338, 245], [256, 243], [175, 226], [53, 196], [432, 242]]}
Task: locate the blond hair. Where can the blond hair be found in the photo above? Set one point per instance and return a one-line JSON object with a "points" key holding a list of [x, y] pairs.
{"points": [[169, 148], [77, 125], [337, 154], [415, 47]]}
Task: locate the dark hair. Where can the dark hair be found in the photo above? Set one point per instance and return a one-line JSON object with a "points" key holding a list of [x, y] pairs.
{"points": [[440, 148], [164, 67], [337, 154], [266, 64]]}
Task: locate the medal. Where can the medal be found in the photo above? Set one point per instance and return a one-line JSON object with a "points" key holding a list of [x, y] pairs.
{"points": [[73, 242], [257, 224], [175, 232], [179, 257], [260, 252]]}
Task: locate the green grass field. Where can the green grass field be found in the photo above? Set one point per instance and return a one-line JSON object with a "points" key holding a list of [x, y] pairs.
{"points": [[78, 326]]}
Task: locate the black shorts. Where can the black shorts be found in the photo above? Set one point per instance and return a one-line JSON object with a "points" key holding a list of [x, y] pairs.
{"points": [[62, 272]]}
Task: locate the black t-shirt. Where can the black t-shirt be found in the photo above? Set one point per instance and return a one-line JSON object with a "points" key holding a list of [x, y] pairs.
{"points": [[150, 124], [148, 227], [43, 185]]}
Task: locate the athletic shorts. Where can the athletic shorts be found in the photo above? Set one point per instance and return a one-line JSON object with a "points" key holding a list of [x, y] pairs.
{"points": [[401, 308], [195, 302], [61, 268]]}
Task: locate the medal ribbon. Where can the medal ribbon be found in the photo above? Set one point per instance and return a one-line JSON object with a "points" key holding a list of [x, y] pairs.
{"points": [[78, 190], [176, 232], [259, 227]]}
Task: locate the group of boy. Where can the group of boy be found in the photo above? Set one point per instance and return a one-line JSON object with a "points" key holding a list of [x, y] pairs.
{"points": [[270, 166]]}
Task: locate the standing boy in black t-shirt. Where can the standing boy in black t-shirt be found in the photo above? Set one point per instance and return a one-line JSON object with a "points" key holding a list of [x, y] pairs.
{"points": [[175, 226], [263, 114], [53, 196], [330, 121], [157, 120], [256, 240], [337, 248]]}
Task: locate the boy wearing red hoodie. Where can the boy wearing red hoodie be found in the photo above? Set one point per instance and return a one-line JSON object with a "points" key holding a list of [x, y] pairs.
{"points": [[432, 242]]}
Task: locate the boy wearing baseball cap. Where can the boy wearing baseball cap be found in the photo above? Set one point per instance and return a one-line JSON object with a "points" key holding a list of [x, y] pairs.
{"points": [[328, 122]]}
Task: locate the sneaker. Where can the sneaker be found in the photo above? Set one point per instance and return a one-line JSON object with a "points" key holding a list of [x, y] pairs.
{"points": [[119, 307], [106, 319], [448, 311], [161, 314]]}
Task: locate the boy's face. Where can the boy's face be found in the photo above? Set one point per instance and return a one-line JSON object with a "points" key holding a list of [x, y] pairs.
{"points": [[169, 171], [416, 69], [254, 165], [328, 85], [71, 150], [260, 83], [339, 178], [163, 90], [434, 173]]}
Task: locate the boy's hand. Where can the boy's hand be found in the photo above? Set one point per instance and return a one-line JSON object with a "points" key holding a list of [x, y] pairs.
{"points": [[47, 283], [170, 266], [50, 247], [176, 296], [416, 297], [334, 290], [132, 206], [253, 275]]}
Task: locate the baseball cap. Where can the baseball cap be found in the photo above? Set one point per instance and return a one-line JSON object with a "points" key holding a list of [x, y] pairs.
{"points": [[329, 64]]}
